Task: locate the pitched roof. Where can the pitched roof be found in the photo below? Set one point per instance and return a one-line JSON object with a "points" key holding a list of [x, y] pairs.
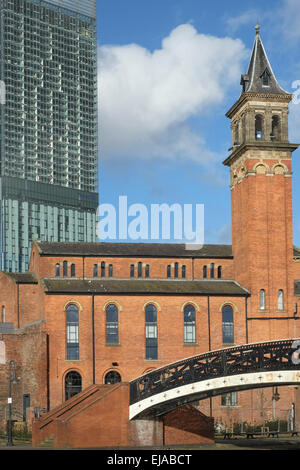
{"points": [[144, 286], [159, 250], [23, 278], [258, 67]]}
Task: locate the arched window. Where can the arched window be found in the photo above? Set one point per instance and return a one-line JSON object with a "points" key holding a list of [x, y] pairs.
{"points": [[212, 270], [72, 315], [244, 128], [65, 268], [262, 299], [73, 270], [189, 324], [219, 272], [151, 331], [258, 127], [169, 270], [73, 384], [204, 272], [276, 130], [112, 324], [280, 300], [110, 270], [3, 314], [112, 377], [227, 324], [176, 270], [147, 270], [183, 271], [95, 270], [132, 270], [103, 269], [140, 269], [236, 135], [57, 270]]}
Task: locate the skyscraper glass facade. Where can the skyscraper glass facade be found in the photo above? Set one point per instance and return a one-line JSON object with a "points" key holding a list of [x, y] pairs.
{"points": [[48, 127]]}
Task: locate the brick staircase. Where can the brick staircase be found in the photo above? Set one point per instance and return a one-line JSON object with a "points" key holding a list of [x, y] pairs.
{"points": [[98, 417], [44, 429]]}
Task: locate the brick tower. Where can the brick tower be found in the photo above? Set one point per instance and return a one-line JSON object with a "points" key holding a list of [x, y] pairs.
{"points": [[261, 195]]}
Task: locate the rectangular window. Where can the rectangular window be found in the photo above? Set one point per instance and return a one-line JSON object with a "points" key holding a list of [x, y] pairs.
{"points": [[151, 341], [229, 399], [112, 335], [189, 333], [72, 341], [228, 332]]}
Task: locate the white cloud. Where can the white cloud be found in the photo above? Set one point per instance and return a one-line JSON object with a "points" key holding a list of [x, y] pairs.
{"points": [[146, 98], [245, 18], [294, 122], [289, 16]]}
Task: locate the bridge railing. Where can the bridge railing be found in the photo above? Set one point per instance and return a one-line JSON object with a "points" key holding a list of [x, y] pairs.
{"points": [[267, 356]]}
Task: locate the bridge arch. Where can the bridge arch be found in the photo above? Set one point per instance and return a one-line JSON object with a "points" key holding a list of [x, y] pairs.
{"points": [[237, 368]]}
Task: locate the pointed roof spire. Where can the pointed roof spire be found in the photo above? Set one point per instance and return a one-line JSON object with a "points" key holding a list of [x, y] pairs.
{"points": [[260, 77]]}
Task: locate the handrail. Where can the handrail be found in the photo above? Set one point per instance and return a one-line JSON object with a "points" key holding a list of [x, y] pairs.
{"points": [[247, 358]]}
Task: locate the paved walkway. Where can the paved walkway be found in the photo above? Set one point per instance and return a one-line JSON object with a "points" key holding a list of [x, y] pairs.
{"points": [[220, 444]]}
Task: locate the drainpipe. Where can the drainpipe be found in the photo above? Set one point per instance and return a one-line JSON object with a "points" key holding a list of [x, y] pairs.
{"points": [[208, 315], [246, 313], [209, 346], [93, 337], [18, 306], [48, 372]]}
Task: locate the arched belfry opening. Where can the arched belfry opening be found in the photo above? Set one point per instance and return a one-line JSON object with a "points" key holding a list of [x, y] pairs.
{"points": [[276, 128], [259, 121]]}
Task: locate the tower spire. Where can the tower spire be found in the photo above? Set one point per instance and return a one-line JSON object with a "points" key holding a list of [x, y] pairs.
{"points": [[260, 77]]}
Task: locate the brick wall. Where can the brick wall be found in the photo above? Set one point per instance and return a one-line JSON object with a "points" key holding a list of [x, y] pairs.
{"points": [[28, 348]]}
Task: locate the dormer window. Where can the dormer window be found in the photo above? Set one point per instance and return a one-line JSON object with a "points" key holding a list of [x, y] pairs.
{"points": [[265, 77]]}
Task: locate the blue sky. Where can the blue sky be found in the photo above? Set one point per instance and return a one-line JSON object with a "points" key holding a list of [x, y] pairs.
{"points": [[169, 70]]}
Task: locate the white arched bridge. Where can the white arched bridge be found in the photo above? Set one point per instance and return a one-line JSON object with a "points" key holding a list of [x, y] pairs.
{"points": [[257, 365]]}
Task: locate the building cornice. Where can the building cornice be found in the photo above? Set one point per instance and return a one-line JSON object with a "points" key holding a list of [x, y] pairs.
{"points": [[246, 97], [257, 145]]}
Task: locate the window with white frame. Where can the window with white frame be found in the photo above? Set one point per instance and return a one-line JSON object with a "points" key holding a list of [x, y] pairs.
{"points": [[189, 324], [72, 332]]}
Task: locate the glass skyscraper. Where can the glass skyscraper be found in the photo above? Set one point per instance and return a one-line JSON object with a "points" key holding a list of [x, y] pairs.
{"points": [[48, 125]]}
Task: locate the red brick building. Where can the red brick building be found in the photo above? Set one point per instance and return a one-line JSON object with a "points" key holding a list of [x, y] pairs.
{"points": [[96, 313]]}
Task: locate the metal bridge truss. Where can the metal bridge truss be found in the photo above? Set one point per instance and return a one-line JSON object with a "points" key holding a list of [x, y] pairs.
{"points": [[214, 373]]}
